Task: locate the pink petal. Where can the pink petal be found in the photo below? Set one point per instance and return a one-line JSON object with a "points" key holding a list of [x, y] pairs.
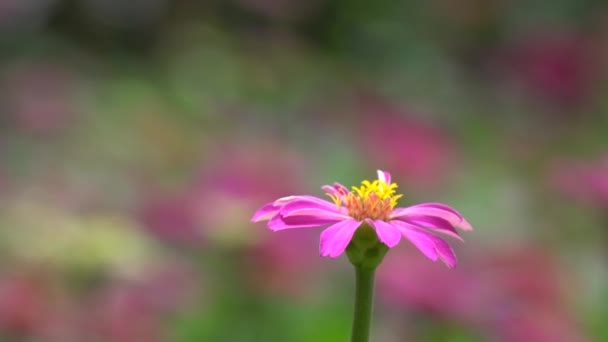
{"points": [[320, 208], [271, 209], [304, 198], [422, 242], [384, 176], [387, 233], [335, 238], [434, 209], [266, 212], [435, 223], [444, 249], [279, 222], [429, 244]]}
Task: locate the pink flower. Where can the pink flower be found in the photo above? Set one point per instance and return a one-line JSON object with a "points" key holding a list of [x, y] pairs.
{"points": [[127, 311], [586, 182], [424, 151], [40, 98], [25, 304], [222, 195], [457, 296], [172, 219], [559, 67], [278, 264], [514, 294], [372, 203]]}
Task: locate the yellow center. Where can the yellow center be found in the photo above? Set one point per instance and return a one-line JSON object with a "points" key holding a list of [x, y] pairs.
{"points": [[374, 200]]}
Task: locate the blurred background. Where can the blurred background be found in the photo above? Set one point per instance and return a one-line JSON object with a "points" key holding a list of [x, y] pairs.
{"points": [[137, 138]]}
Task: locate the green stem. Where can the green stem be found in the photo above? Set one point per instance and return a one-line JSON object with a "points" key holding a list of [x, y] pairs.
{"points": [[364, 302]]}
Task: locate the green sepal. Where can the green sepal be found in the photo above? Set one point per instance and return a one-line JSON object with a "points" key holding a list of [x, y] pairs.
{"points": [[365, 249]]}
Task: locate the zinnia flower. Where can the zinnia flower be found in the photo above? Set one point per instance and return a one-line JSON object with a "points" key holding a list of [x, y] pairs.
{"points": [[373, 203]]}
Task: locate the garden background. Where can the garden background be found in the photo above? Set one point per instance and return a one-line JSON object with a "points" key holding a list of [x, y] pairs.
{"points": [[137, 138]]}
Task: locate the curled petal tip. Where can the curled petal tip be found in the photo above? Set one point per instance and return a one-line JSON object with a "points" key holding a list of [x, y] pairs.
{"points": [[267, 212], [465, 225]]}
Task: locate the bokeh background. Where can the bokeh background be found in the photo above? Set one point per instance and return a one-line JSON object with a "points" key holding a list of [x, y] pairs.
{"points": [[137, 138]]}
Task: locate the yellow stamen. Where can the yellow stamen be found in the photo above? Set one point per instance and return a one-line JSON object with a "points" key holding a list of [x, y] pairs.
{"points": [[373, 200]]}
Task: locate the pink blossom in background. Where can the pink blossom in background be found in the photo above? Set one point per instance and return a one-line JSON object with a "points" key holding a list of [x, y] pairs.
{"points": [[124, 314], [172, 286], [405, 280], [229, 189], [510, 295], [34, 307], [222, 196], [27, 304], [529, 298], [419, 152], [251, 169], [39, 98], [584, 181], [171, 218], [128, 311], [526, 273], [538, 325], [223, 191], [557, 66], [373, 203], [23, 305], [530, 301], [231, 182], [283, 263]]}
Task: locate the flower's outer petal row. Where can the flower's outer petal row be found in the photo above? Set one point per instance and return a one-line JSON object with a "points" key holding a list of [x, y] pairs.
{"points": [[387, 233], [434, 209], [335, 238], [435, 223], [445, 251], [298, 212], [309, 202], [462, 223], [384, 176], [430, 245], [279, 222], [421, 241], [305, 207], [268, 211], [304, 198], [309, 211]]}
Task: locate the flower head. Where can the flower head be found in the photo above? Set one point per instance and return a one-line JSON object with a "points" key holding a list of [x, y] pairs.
{"points": [[372, 203]]}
